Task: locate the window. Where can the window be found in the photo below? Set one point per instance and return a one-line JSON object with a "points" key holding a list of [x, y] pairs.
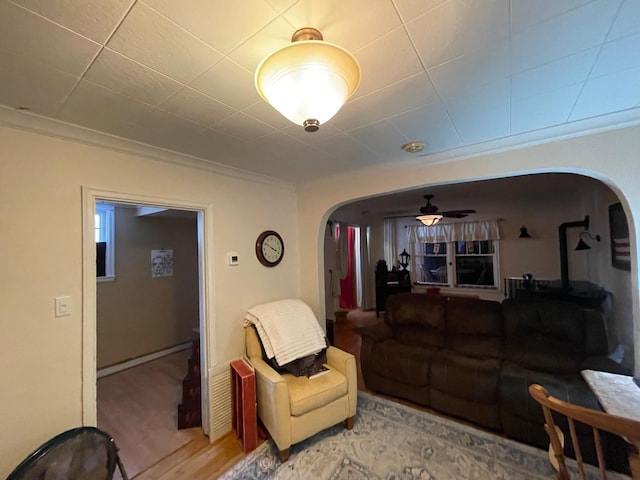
{"points": [[458, 254], [104, 230], [457, 264]]}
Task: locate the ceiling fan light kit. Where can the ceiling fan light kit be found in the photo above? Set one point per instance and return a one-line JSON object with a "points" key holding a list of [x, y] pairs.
{"points": [[429, 220], [430, 214], [309, 80]]}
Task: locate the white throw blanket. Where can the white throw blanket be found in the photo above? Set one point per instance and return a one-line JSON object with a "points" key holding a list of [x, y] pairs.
{"points": [[288, 329]]}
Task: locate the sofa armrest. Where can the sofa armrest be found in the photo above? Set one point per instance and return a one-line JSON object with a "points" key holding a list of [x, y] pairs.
{"points": [[272, 396], [377, 332], [604, 364], [345, 363]]}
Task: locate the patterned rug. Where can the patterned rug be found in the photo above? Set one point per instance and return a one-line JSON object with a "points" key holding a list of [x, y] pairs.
{"points": [[391, 442]]}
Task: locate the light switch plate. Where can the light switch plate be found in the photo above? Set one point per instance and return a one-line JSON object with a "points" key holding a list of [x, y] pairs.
{"points": [[63, 306]]}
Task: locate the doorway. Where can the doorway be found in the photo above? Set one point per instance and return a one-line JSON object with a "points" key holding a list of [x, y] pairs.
{"points": [[92, 358]]}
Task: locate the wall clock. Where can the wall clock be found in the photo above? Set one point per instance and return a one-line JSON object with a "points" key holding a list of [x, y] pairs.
{"points": [[269, 248]]}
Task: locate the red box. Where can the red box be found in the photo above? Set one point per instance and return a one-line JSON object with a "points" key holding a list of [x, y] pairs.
{"points": [[243, 397]]}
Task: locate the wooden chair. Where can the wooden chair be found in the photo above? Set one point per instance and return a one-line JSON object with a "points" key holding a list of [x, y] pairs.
{"points": [[624, 427]]}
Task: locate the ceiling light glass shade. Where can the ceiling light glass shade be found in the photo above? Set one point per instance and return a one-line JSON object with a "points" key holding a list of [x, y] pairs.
{"points": [[429, 220], [308, 81]]}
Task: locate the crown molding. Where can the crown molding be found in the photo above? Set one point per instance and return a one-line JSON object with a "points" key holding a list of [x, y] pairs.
{"points": [[58, 129]]}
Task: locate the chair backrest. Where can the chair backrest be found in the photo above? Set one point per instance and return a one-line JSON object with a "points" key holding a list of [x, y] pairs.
{"points": [[83, 453], [624, 427]]}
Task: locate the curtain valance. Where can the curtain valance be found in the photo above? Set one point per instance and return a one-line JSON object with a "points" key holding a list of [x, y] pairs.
{"points": [[453, 232]]}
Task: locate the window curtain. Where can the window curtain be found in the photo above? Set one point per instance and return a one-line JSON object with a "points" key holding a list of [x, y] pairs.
{"points": [[453, 232], [390, 242], [347, 282], [368, 287]]}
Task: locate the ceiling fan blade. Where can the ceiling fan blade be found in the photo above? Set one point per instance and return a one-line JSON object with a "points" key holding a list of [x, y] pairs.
{"points": [[455, 212]]}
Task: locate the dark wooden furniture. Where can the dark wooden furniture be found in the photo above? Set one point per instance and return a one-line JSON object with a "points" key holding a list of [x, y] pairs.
{"points": [[190, 410], [389, 283], [243, 398]]}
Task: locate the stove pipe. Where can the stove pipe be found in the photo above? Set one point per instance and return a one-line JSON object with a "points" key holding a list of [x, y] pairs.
{"points": [[564, 262]]}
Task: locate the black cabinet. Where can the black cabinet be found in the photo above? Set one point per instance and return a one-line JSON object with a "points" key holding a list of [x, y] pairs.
{"points": [[390, 283]]}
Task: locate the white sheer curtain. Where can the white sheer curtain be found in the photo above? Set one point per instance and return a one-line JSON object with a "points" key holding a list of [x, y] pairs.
{"points": [[452, 232], [390, 242]]}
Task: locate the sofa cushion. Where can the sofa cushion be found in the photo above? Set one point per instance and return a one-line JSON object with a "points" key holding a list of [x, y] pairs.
{"points": [[470, 378], [417, 319], [307, 394], [474, 327], [404, 363], [544, 335]]}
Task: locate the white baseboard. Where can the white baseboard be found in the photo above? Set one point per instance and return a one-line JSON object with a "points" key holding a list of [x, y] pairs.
{"points": [[103, 372]]}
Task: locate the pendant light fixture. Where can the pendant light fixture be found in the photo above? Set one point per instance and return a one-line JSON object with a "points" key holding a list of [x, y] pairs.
{"points": [[309, 80]]}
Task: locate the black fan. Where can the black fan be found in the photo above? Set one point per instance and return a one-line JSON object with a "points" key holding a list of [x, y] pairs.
{"points": [[430, 209]]}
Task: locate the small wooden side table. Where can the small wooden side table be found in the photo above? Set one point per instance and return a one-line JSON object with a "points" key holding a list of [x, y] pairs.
{"points": [[243, 398]]}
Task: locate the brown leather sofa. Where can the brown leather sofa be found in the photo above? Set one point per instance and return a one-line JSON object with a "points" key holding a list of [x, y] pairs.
{"points": [[474, 359]]}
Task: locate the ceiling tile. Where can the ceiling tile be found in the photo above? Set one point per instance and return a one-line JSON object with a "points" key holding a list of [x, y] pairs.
{"points": [[483, 114], [430, 124], [123, 75], [467, 72], [149, 38], [578, 30], [348, 24], [94, 19], [620, 54], [551, 76], [413, 8], [628, 20], [228, 83], [393, 100], [534, 112], [241, 19], [195, 106], [26, 84], [44, 43], [459, 27], [525, 13], [243, 127], [383, 138], [274, 36], [608, 93], [476, 126], [266, 113], [118, 115], [393, 48]]}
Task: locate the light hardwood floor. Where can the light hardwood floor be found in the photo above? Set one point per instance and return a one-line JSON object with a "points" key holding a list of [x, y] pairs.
{"points": [[138, 408]]}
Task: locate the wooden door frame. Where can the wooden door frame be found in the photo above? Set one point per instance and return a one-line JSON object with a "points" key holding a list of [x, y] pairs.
{"points": [[90, 195]]}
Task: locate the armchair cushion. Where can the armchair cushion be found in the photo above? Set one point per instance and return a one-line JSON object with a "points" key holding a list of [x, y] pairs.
{"points": [[306, 394]]}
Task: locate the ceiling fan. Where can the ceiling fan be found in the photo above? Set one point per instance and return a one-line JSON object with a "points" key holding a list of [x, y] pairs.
{"points": [[430, 215]]}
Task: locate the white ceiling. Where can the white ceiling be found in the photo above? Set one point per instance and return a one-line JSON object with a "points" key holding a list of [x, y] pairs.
{"points": [[451, 73]]}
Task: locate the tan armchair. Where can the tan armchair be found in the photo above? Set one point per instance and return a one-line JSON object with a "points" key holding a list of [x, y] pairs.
{"points": [[295, 408]]}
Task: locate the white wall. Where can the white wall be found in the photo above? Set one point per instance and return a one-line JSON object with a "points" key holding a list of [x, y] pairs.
{"points": [[608, 156], [41, 258]]}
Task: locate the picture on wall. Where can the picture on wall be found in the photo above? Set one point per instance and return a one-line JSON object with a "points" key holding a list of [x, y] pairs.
{"points": [[619, 234], [161, 263]]}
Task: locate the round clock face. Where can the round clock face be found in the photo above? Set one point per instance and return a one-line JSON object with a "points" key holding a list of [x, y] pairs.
{"points": [[269, 248]]}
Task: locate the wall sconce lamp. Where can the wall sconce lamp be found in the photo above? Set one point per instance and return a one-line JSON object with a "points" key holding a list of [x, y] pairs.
{"points": [[404, 259], [308, 80], [524, 233], [582, 245]]}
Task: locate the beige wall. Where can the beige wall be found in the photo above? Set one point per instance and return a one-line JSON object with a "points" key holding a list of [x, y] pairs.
{"points": [[611, 157], [41, 242], [136, 313]]}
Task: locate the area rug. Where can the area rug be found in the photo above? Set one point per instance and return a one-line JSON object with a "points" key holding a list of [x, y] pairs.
{"points": [[390, 441]]}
